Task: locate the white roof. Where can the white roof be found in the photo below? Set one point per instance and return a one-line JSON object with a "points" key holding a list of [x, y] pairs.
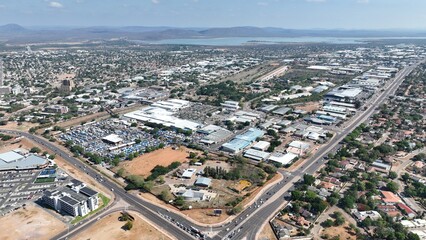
{"points": [[256, 154], [299, 144], [261, 145], [188, 173], [113, 138], [161, 116], [284, 159], [10, 156]]}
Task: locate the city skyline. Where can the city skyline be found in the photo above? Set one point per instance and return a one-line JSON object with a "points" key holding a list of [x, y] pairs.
{"points": [[292, 14]]}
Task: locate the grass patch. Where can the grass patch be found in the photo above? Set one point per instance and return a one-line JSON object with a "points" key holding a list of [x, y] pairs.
{"points": [[105, 202], [44, 180]]}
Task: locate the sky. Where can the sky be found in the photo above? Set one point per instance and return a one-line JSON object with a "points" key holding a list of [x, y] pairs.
{"points": [[295, 14]]}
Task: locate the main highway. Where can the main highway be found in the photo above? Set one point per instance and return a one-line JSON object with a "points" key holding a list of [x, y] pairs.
{"points": [[250, 221]]}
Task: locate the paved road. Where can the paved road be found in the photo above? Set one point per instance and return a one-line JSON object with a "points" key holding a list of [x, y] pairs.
{"points": [[252, 224], [249, 222]]}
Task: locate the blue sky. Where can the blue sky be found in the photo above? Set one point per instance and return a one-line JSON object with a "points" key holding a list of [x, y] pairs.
{"points": [[347, 14]]}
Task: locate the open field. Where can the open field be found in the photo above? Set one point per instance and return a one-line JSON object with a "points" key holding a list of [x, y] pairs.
{"points": [[30, 223], [21, 127], [341, 231], [110, 227], [267, 233], [309, 106], [143, 164], [198, 215]]}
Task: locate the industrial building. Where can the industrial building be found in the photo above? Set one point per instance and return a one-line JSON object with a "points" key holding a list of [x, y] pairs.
{"points": [[298, 147], [57, 109], [160, 115], [282, 158], [231, 105], [203, 182], [214, 134], [75, 199], [343, 94], [242, 141], [261, 146], [282, 111], [17, 160], [256, 154]]}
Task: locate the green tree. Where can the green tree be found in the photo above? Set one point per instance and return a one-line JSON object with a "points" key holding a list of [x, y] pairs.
{"points": [[393, 175], [35, 150], [128, 226], [308, 179], [392, 186]]}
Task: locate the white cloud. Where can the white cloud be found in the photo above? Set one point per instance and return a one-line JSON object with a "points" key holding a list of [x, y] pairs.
{"points": [[155, 1], [262, 3], [363, 1], [316, 1], [55, 5]]}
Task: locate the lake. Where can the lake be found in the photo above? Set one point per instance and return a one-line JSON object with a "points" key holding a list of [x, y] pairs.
{"points": [[237, 41]]}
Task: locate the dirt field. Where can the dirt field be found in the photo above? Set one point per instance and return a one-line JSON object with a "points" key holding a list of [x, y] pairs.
{"points": [[25, 126], [143, 164], [267, 233], [341, 231], [31, 223], [110, 228], [205, 216], [309, 106]]}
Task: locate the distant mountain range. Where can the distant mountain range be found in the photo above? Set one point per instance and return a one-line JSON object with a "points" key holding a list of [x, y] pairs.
{"points": [[15, 33]]}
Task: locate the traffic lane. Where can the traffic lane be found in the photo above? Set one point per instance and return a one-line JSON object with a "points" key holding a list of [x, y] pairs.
{"points": [[117, 190]]}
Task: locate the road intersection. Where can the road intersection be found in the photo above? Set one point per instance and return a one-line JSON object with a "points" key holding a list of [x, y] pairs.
{"points": [[250, 221]]}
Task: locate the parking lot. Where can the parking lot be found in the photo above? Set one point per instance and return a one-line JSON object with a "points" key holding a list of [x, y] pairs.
{"points": [[17, 187], [134, 139]]}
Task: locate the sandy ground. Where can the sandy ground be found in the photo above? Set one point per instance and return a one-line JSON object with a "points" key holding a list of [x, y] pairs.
{"points": [[143, 164], [110, 228], [267, 233], [31, 223], [205, 216], [309, 106], [341, 231], [25, 126]]}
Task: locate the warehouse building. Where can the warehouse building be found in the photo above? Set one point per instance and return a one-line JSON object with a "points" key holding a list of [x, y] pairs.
{"points": [[343, 94], [214, 134], [75, 199], [203, 182], [261, 145], [256, 154], [282, 158], [161, 116], [231, 105], [16, 160], [241, 141]]}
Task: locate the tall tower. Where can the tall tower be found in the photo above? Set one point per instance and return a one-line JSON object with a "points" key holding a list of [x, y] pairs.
{"points": [[1, 72]]}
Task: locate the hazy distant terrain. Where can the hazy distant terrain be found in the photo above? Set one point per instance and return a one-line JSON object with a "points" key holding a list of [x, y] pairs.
{"points": [[13, 33]]}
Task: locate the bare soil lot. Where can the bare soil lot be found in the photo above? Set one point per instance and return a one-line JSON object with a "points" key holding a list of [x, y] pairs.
{"points": [[143, 164], [110, 228], [309, 106], [342, 232], [267, 233], [30, 223]]}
